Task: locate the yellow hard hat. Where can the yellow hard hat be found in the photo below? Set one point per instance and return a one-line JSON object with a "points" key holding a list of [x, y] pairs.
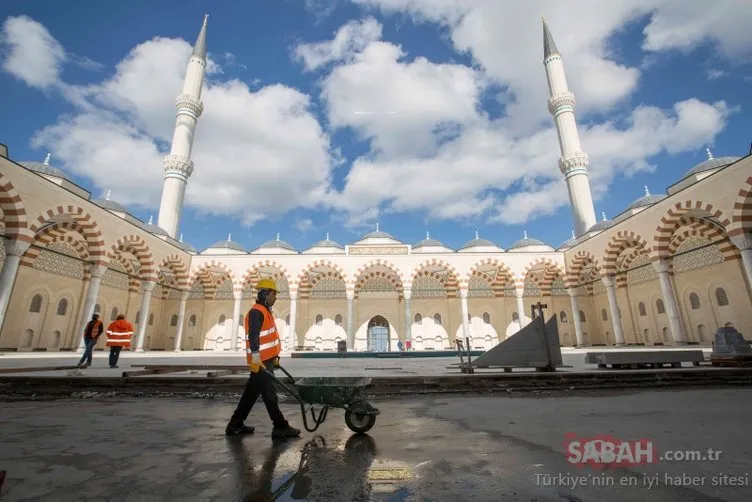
{"points": [[267, 283]]}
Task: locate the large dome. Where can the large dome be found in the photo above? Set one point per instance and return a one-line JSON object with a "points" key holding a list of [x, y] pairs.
{"points": [[44, 168], [711, 163]]}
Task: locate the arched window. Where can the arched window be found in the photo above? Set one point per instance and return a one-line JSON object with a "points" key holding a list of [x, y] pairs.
{"points": [[174, 320], [721, 298], [694, 301], [151, 319], [437, 318], [659, 306], [138, 317], [222, 320], [486, 318], [641, 309], [582, 316], [319, 319], [192, 320], [114, 314], [563, 317], [604, 315], [36, 304], [62, 307], [515, 317], [418, 318], [338, 320]]}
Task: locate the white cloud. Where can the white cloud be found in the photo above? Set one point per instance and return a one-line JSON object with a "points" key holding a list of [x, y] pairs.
{"points": [[350, 39], [715, 74], [304, 225], [32, 53]]}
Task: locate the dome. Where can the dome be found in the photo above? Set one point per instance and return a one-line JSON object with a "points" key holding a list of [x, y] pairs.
{"points": [[152, 228], [228, 244], [378, 234], [44, 168], [569, 242], [601, 225], [110, 205], [710, 164], [524, 242], [277, 244], [185, 246], [326, 243], [428, 242], [478, 242], [646, 200]]}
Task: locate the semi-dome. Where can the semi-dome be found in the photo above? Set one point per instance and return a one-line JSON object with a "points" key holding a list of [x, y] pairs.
{"points": [[711, 163], [44, 168], [277, 244], [110, 205], [525, 242], [601, 225], [569, 242], [327, 243], [646, 200], [152, 228], [477, 243], [228, 244]]}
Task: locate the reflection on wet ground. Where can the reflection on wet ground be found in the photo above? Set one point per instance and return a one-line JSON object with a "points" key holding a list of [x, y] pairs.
{"points": [[424, 449]]}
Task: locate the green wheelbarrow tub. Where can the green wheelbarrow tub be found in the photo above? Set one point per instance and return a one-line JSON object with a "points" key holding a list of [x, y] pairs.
{"points": [[331, 391]]}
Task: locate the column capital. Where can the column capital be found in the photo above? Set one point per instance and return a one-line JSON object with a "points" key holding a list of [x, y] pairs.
{"points": [[662, 266], [350, 294], [464, 293], [293, 296], [572, 292], [148, 286], [407, 293], [609, 280], [184, 295], [97, 271], [15, 247], [742, 241]]}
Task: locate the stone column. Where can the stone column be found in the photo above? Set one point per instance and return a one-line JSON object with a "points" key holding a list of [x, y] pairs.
{"points": [[743, 242], [465, 314], [14, 250], [96, 272], [238, 294], [181, 319], [291, 335], [407, 293], [613, 306], [669, 300], [147, 287], [520, 308], [576, 317], [350, 320]]}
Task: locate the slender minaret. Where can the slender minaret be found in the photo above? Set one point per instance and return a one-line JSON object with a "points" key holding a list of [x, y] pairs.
{"points": [[178, 165], [573, 162]]}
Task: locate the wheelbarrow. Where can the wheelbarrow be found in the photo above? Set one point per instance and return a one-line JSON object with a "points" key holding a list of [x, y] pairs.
{"points": [[331, 392]]}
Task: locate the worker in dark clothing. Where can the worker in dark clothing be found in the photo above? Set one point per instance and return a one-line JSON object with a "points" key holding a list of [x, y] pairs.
{"points": [[262, 352], [93, 329]]}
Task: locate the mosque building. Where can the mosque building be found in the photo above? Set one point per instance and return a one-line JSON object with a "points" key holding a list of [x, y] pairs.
{"points": [[669, 270]]}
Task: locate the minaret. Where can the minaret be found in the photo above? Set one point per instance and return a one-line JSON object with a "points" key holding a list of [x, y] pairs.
{"points": [[178, 165], [573, 162]]}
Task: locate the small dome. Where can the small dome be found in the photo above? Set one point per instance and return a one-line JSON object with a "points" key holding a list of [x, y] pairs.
{"points": [[569, 242], [478, 242], [277, 244], [44, 168], [646, 200], [152, 228], [377, 234], [525, 241], [710, 164], [601, 225], [228, 244], [429, 242], [110, 205], [327, 243], [185, 246]]}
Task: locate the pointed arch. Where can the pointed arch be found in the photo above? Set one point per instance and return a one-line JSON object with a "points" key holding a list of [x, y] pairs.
{"points": [[544, 280], [579, 262], [320, 264], [137, 246], [211, 274], [179, 268], [670, 222], [14, 212], [622, 240], [698, 227], [57, 232], [742, 213], [485, 262], [379, 268], [88, 228], [435, 262], [134, 284]]}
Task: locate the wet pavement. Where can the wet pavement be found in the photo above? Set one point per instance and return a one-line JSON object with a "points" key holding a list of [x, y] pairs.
{"points": [[443, 449]]}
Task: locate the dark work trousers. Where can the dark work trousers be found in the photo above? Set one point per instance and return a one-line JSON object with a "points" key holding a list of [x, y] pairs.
{"points": [[260, 384], [89, 343], [114, 355]]}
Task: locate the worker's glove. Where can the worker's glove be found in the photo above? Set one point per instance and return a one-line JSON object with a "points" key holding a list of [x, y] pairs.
{"points": [[276, 362], [255, 362]]}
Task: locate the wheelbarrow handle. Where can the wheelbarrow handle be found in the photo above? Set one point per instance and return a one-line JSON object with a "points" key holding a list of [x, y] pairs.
{"points": [[290, 390]]}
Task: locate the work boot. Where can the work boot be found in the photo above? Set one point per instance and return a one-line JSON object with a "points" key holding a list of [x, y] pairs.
{"points": [[285, 432], [238, 430]]}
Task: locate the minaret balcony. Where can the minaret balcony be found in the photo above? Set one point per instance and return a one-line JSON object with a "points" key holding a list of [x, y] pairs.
{"points": [[573, 163], [185, 103], [561, 102], [177, 166]]}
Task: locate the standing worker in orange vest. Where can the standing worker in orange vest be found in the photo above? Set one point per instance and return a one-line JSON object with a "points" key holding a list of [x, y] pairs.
{"points": [[119, 334], [262, 347], [92, 331]]}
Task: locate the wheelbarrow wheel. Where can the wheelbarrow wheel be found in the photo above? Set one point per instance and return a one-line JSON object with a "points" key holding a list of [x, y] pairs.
{"points": [[358, 418]]}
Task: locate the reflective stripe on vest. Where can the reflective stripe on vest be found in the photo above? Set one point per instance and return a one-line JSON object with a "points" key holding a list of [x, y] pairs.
{"points": [[269, 346]]}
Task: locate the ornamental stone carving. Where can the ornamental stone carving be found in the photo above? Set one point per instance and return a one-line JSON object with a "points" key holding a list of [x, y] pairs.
{"points": [[370, 251], [565, 99], [187, 103], [574, 162], [177, 165]]}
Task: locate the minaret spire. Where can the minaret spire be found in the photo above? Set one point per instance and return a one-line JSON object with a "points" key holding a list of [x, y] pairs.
{"points": [[178, 165], [573, 162]]}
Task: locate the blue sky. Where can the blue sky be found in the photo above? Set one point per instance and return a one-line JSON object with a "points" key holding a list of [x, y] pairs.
{"points": [[276, 112]]}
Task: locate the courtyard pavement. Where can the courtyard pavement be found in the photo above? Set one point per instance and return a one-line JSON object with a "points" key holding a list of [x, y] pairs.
{"points": [[451, 449]]}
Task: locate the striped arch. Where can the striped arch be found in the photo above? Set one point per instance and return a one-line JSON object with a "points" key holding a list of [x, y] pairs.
{"points": [[436, 262], [211, 280], [252, 276], [302, 276], [550, 272], [14, 212], [137, 246], [356, 279], [134, 284], [623, 239], [579, 261], [671, 221], [57, 232], [451, 283], [706, 231], [498, 264], [178, 267], [304, 284], [742, 214], [88, 228]]}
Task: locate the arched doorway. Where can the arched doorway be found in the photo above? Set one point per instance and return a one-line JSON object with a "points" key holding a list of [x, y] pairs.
{"points": [[378, 334]]}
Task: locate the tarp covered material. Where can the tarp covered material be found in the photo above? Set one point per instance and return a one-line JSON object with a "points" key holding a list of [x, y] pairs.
{"points": [[525, 349]]}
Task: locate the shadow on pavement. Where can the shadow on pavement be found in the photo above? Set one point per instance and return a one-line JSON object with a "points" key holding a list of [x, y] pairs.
{"points": [[323, 472]]}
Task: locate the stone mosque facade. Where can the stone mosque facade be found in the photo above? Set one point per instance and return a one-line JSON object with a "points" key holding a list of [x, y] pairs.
{"points": [[668, 270]]}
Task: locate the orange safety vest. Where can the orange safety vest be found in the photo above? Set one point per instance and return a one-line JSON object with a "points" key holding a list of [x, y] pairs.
{"points": [[95, 328], [269, 346], [119, 334]]}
